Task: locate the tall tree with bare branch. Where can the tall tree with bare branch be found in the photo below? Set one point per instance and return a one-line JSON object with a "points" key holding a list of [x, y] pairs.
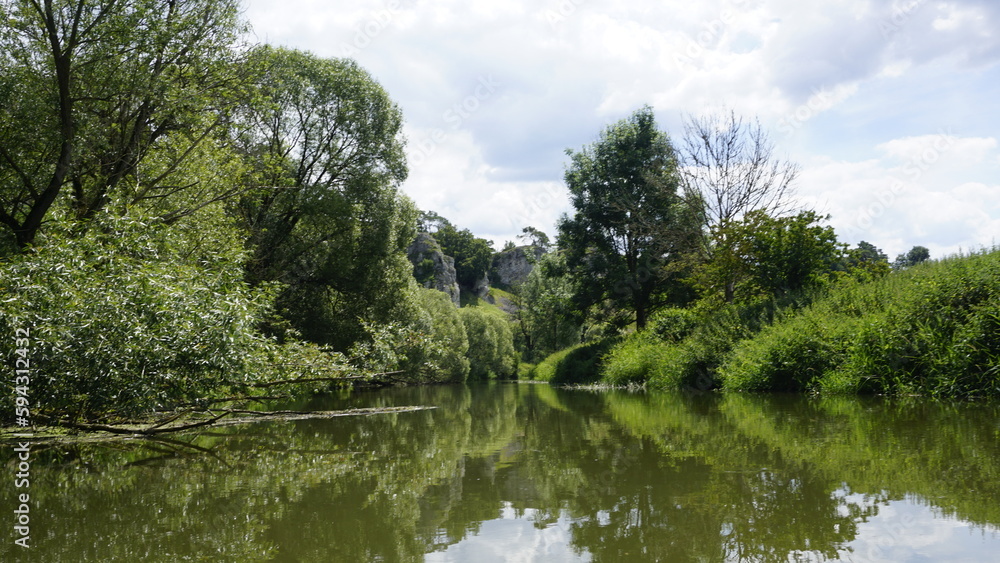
{"points": [[731, 163], [728, 163]]}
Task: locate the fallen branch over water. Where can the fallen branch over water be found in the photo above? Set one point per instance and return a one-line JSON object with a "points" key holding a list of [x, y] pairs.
{"points": [[261, 416], [374, 378], [158, 428], [225, 417], [324, 379]]}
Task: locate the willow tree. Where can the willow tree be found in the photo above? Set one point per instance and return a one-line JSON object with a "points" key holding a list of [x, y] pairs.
{"points": [[631, 225], [323, 208], [108, 99]]}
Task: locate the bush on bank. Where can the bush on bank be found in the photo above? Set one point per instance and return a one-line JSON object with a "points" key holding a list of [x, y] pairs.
{"points": [[491, 350], [131, 316], [578, 364], [931, 329]]}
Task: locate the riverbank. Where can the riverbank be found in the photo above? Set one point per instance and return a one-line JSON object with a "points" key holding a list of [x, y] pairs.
{"points": [[932, 329]]}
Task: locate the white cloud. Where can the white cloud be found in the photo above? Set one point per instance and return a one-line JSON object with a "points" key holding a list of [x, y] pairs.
{"points": [[450, 176], [514, 539], [907, 530], [855, 89], [911, 195], [931, 148]]}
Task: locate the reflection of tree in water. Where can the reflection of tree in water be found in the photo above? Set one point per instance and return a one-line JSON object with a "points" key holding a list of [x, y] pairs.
{"points": [[632, 477], [664, 493]]}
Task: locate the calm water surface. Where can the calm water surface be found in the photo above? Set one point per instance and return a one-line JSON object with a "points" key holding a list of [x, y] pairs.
{"points": [[531, 473]]}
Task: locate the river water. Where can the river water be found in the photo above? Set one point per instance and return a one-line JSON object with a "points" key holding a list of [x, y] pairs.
{"points": [[526, 472]]}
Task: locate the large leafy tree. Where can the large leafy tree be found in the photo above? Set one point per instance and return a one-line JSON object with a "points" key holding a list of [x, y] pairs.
{"points": [[916, 255], [491, 343], [110, 99], [631, 225], [767, 256], [866, 260], [323, 208]]}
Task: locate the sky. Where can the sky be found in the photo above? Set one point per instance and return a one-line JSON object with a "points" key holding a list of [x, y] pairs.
{"points": [[891, 108]]}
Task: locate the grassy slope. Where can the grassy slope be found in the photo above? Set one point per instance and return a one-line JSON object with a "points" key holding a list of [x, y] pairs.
{"points": [[576, 364], [933, 329]]}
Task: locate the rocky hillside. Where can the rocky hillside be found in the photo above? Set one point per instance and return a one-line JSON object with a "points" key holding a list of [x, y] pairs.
{"points": [[512, 267], [432, 268]]}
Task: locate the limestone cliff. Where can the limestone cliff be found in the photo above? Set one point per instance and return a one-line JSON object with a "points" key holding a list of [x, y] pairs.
{"points": [[431, 267], [510, 268]]}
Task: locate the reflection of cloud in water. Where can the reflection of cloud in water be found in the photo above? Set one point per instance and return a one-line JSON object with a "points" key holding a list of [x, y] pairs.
{"points": [[514, 539], [909, 531]]}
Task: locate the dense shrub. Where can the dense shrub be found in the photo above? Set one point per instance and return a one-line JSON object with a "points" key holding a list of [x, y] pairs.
{"points": [[685, 348], [491, 343], [788, 356], [932, 329], [449, 343], [640, 359], [131, 316], [673, 324], [579, 364]]}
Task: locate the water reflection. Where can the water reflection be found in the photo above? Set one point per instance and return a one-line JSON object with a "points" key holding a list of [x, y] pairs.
{"points": [[532, 473]]}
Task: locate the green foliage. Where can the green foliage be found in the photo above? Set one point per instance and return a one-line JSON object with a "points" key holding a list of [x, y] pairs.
{"points": [[654, 356], [578, 364], [431, 222], [451, 343], [535, 237], [866, 261], [325, 217], [691, 344], [760, 256], [673, 325], [639, 359], [630, 225], [916, 255], [545, 370], [931, 329], [546, 318], [131, 316], [788, 356], [424, 271], [525, 371], [96, 91], [472, 255], [431, 348], [491, 343]]}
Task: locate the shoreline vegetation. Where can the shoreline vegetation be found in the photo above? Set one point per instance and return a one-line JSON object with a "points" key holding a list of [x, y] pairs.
{"points": [[188, 218], [931, 330]]}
